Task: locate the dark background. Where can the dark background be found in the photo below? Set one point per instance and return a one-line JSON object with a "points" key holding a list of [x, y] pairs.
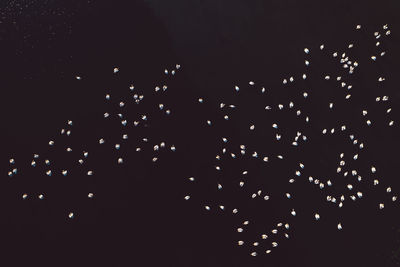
{"points": [[138, 216]]}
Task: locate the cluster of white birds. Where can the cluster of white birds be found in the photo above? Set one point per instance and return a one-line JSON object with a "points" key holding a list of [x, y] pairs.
{"points": [[133, 120], [128, 126], [43, 162], [46, 163], [340, 182], [244, 172]]}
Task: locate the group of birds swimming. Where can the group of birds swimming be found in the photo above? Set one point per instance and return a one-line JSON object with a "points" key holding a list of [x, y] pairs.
{"points": [[305, 127]]}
